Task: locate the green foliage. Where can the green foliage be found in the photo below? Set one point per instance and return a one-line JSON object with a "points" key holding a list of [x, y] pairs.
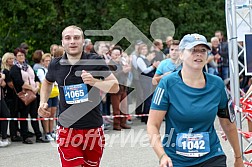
{"points": [[39, 22]]}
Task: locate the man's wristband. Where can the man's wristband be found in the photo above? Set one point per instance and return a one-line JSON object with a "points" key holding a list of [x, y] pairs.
{"points": [[161, 157]]}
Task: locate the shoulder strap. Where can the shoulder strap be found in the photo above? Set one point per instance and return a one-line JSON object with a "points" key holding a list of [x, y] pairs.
{"points": [[42, 69]]}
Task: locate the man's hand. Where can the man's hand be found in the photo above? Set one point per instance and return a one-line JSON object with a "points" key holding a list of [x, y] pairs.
{"points": [[87, 78], [42, 110]]}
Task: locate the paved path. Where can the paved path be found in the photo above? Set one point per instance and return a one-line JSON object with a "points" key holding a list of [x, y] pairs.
{"points": [[128, 148]]}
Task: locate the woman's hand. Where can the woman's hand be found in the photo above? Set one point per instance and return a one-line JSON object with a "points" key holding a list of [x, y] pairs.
{"points": [[155, 64], [35, 90], [126, 69], [165, 161], [238, 162]]}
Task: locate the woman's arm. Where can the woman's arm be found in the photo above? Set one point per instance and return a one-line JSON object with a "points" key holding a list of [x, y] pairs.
{"points": [[41, 75], [2, 82], [232, 136], [143, 67], [16, 77], [153, 127]]}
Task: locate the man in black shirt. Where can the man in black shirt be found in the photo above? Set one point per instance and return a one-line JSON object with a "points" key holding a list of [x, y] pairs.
{"points": [[80, 78]]}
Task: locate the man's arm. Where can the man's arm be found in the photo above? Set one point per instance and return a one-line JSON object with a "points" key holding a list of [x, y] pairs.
{"points": [[45, 92], [157, 78], [108, 85]]}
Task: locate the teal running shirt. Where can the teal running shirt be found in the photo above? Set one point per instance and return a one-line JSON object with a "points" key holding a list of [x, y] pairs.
{"points": [[190, 111]]}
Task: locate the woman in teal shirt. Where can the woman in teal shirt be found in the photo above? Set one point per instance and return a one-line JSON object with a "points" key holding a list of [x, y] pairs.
{"points": [[189, 100]]}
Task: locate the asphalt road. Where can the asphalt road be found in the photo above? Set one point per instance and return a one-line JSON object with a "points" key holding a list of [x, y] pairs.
{"points": [[128, 148]]}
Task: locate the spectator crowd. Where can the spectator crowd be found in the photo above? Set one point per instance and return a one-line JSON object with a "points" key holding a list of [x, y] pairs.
{"points": [[140, 71]]}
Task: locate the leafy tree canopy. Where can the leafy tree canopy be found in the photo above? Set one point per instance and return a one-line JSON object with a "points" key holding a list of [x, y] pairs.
{"points": [[39, 22]]}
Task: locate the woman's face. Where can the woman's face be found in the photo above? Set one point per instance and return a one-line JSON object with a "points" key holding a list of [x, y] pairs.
{"points": [[20, 57], [116, 55], [46, 61], [215, 43], [144, 50], [10, 61], [195, 58]]}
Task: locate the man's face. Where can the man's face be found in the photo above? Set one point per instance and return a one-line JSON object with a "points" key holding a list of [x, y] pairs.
{"points": [[218, 35], [72, 41], [169, 41], [160, 46], [55, 47], [174, 52]]}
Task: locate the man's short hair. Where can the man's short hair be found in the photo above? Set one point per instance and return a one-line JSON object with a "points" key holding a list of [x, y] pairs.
{"points": [[175, 42], [157, 42], [24, 45], [74, 27]]}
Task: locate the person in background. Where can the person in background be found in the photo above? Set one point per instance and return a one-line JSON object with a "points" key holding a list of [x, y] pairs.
{"points": [[147, 71], [189, 100], [23, 77], [169, 65], [25, 46], [223, 51], [88, 46], [36, 58], [48, 125], [4, 113], [214, 57], [158, 47], [53, 49], [136, 79], [59, 51], [168, 41], [10, 95], [119, 100], [102, 49]]}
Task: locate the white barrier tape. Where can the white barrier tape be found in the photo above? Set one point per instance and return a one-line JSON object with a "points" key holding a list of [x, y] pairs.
{"points": [[26, 119], [237, 108], [39, 119]]}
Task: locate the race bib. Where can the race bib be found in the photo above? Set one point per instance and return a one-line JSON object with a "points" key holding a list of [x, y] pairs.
{"points": [[75, 94], [192, 144]]}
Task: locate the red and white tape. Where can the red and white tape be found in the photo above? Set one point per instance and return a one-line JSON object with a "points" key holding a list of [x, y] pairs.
{"points": [[39, 119]]}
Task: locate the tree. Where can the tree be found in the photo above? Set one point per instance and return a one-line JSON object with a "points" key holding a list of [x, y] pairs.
{"points": [[39, 22]]}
